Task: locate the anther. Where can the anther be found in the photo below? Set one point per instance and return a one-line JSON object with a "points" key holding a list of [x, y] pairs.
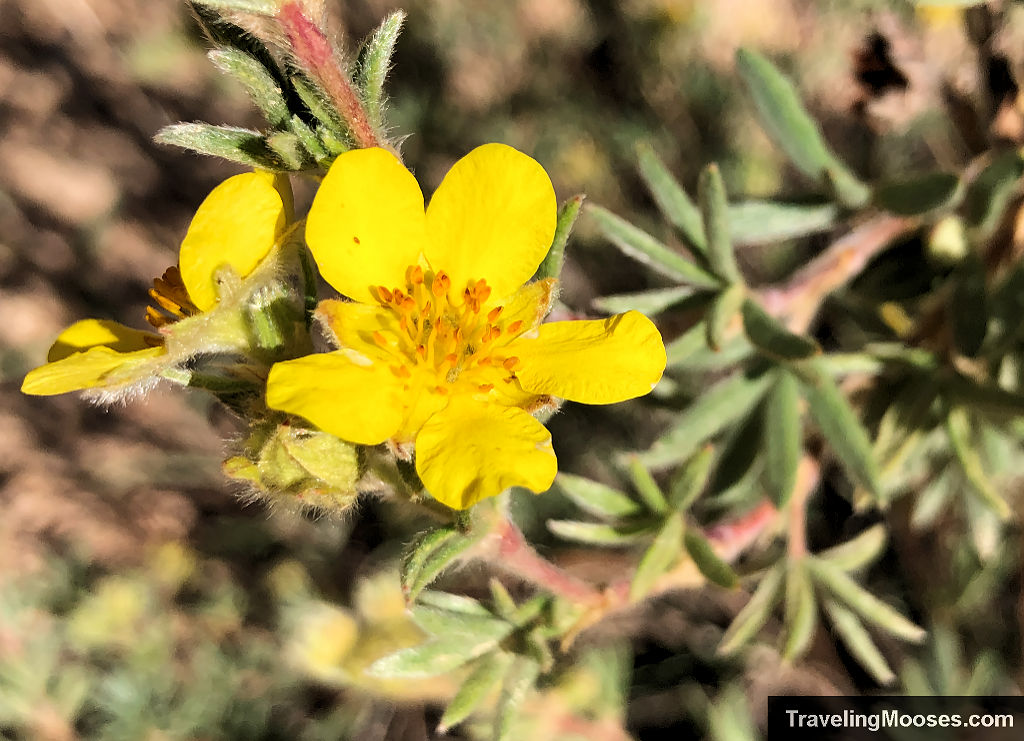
{"points": [[385, 295], [380, 339], [416, 275], [492, 334], [485, 387], [440, 285], [421, 351], [515, 327], [408, 304], [401, 371], [494, 313], [510, 363]]}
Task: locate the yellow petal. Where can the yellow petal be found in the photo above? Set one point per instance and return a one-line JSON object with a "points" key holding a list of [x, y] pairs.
{"points": [[594, 362], [93, 354], [342, 393], [471, 451], [366, 224], [492, 218], [236, 226], [353, 325]]}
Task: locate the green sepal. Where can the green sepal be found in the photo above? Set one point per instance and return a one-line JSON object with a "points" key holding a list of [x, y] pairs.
{"points": [[551, 265], [244, 146], [262, 86], [374, 63]]}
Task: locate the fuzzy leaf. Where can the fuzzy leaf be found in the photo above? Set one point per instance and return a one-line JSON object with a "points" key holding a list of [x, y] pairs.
{"points": [[320, 105], [649, 302], [647, 488], [783, 439], [519, 680], [671, 199], [862, 602], [551, 266], [263, 88], [435, 657], [789, 124], [659, 557], [244, 146], [432, 599], [920, 194], [647, 250], [844, 432], [704, 557], [755, 613], [801, 611], [857, 552], [728, 401], [596, 498], [470, 627], [772, 338], [289, 148], [766, 222], [475, 689], [721, 313], [374, 63], [436, 551], [258, 7], [714, 207], [858, 642], [691, 480], [310, 141], [592, 533], [958, 426]]}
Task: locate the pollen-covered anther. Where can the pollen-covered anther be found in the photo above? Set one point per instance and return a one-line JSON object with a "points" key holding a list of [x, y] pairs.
{"points": [[485, 387], [401, 371], [415, 275], [381, 340], [510, 363], [385, 295], [493, 314], [421, 352], [514, 326], [440, 285]]}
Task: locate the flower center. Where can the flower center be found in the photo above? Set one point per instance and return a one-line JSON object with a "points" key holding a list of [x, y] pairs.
{"points": [[444, 340], [171, 299]]}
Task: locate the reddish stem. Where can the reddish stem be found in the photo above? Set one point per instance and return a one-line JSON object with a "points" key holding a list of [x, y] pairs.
{"points": [[314, 51]]}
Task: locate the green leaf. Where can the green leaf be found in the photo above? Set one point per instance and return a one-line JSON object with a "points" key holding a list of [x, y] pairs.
{"points": [[704, 557], [729, 717], [647, 488], [261, 85], [728, 401], [309, 139], [647, 250], [320, 105], [766, 222], [801, 611], [258, 7], [435, 552], [475, 689], [433, 658], [672, 200], [920, 194], [720, 315], [989, 194], [858, 642], [596, 498], [660, 556], [685, 345], [857, 552], [969, 306], [519, 680], [289, 148], [689, 483], [551, 266], [844, 432], [948, 3], [646, 302], [432, 599], [865, 604], [958, 426], [374, 63], [244, 146], [714, 206], [755, 613], [783, 438], [472, 628], [772, 338], [789, 124], [592, 533]]}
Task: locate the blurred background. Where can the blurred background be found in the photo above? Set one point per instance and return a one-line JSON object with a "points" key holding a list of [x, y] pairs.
{"points": [[139, 598]]}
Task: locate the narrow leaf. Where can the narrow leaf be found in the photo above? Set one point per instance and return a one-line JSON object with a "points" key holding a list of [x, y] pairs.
{"points": [[755, 613], [958, 426], [783, 439], [320, 105], [801, 611], [431, 659], [689, 483], [551, 266], [729, 717], [704, 557], [596, 498], [682, 347], [968, 307], [260, 84], [766, 222], [503, 603], [772, 338], [417, 554], [470, 627], [722, 312], [858, 642], [519, 680], [857, 552], [597, 534], [719, 408], [786, 120], [647, 250], [650, 302], [865, 604], [844, 432], [658, 558], [309, 139], [374, 63], [715, 209], [258, 7], [989, 194], [288, 147], [647, 488], [672, 200], [475, 689], [919, 195], [244, 146], [432, 599]]}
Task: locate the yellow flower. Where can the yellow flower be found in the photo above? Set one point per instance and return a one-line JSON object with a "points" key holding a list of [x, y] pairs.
{"points": [[442, 345], [232, 232]]}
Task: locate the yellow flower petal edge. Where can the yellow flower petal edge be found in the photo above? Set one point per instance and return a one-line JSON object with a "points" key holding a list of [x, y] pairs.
{"points": [[471, 451], [92, 354], [601, 361], [366, 224], [343, 393], [236, 225], [493, 218]]}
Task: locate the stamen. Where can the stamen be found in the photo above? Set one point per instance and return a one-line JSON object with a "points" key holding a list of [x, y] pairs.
{"points": [[385, 295], [380, 339], [421, 351], [440, 285], [515, 326], [415, 275], [510, 363], [401, 371], [493, 314], [485, 387]]}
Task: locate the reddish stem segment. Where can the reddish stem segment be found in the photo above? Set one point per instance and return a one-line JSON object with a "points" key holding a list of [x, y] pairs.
{"points": [[314, 51]]}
